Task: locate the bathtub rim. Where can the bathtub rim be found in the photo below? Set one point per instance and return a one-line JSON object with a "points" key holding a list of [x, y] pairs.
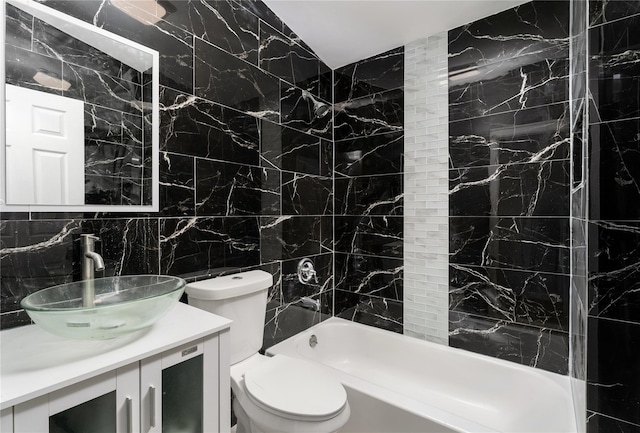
{"points": [[390, 396]]}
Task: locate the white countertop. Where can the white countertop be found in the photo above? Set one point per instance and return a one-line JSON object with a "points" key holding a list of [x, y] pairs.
{"points": [[34, 362]]}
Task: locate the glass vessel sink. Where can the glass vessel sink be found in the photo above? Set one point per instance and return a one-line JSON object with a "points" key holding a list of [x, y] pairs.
{"points": [[122, 305]]}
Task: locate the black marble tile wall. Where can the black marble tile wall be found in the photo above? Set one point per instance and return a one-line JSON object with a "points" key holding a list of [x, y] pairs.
{"points": [[368, 175], [613, 370], [597, 422], [509, 185], [244, 183], [294, 305], [370, 76], [114, 154], [533, 346], [370, 310], [613, 364]]}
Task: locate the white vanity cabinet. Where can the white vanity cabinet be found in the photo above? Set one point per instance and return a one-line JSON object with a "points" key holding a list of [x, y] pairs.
{"points": [[174, 377], [179, 388], [6, 420], [105, 403]]}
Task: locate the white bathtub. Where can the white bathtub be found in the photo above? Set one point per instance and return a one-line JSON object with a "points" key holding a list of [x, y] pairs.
{"points": [[400, 384]]}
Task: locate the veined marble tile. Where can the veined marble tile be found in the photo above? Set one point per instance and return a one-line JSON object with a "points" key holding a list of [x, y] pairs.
{"points": [[369, 235], [614, 367], [528, 135], [229, 189], [377, 154], [22, 65], [614, 70], [540, 244], [375, 74], [614, 270], [177, 185], [306, 195], [535, 189], [288, 237], [369, 195], [598, 423], [284, 58], [525, 297], [174, 45], [509, 87], [197, 127], [223, 23], [604, 11], [222, 78], [378, 113], [53, 42], [102, 123], [536, 30], [614, 188], [289, 149], [536, 347], [197, 246], [369, 275], [19, 27], [382, 313], [306, 112], [92, 87]]}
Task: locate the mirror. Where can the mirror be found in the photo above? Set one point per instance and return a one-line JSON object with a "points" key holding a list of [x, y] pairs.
{"points": [[81, 115]]}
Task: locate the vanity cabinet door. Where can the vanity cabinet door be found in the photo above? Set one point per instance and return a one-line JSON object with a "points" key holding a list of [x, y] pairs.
{"points": [[6, 420], [180, 389], [104, 404]]}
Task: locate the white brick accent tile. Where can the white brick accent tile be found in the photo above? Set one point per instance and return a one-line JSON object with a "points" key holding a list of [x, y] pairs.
{"points": [[426, 183]]}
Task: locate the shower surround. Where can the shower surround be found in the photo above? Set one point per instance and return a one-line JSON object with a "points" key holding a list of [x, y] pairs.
{"points": [[509, 185]]}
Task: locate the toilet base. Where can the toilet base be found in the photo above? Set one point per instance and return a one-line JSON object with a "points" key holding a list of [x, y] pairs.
{"points": [[243, 423]]}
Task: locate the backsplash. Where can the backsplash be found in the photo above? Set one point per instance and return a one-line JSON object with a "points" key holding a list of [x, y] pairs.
{"points": [[246, 165]]}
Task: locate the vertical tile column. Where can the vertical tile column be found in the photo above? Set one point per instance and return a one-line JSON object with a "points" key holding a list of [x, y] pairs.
{"points": [[426, 200]]}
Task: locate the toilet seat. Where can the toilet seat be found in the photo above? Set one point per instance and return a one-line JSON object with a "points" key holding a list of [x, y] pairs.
{"points": [[295, 389]]}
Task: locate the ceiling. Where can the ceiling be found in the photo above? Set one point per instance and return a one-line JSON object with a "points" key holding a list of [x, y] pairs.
{"points": [[344, 31]]}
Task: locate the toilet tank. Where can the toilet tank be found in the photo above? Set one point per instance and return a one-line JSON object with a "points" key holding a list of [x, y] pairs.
{"points": [[240, 297]]}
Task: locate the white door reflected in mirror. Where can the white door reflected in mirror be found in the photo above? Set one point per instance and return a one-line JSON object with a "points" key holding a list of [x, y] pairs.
{"points": [[44, 148]]}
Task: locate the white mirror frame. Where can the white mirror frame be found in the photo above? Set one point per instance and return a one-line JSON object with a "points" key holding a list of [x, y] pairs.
{"points": [[155, 116]]}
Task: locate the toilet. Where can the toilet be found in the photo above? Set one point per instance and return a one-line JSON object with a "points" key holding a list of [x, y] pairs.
{"points": [[272, 394]]}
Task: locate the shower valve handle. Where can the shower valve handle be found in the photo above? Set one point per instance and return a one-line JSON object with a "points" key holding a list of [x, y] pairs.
{"points": [[306, 271]]}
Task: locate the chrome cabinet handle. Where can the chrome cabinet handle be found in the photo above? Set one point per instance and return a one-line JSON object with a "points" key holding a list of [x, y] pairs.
{"points": [[152, 401], [129, 404]]}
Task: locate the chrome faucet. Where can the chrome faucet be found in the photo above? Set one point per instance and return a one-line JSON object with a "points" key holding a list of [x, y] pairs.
{"points": [[91, 262]]}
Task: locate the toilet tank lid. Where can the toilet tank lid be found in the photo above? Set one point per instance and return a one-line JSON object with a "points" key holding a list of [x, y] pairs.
{"points": [[230, 286]]}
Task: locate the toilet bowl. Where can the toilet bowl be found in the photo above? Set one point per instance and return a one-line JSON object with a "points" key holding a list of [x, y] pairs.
{"points": [[284, 394], [278, 394]]}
